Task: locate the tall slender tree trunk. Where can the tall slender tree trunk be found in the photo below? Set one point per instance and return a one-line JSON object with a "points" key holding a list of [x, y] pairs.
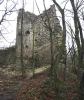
{"points": [[51, 51], [21, 56], [80, 46], [64, 36], [78, 31], [64, 42], [33, 55]]}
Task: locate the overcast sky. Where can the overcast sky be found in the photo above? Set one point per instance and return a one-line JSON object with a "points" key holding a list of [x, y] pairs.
{"points": [[9, 27]]}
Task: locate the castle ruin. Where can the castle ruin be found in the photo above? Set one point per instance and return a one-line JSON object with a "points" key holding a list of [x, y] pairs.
{"points": [[36, 28]]}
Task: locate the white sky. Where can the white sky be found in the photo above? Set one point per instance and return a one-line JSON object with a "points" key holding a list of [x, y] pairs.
{"points": [[9, 27]]}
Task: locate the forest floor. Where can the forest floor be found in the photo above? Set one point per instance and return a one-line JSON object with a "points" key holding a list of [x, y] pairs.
{"points": [[11, 82], [33, 88], [8, 87]]}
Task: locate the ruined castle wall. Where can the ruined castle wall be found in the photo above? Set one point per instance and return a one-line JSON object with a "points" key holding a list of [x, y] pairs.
{"points": [[27, 33], [39, 26], [42, 35]]}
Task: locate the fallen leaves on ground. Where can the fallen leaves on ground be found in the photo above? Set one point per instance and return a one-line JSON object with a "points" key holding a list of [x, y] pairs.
{"points": [[32, 89]]}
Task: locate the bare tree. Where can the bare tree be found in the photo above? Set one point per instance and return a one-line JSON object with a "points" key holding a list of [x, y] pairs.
{"points": [[77, 6], [78, 34], [72, 48], [64, 34], [79, 41], [21, 56], [6, 10]]}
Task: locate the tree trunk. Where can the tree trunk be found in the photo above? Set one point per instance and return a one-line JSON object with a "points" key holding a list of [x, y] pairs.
{"points": [[64, 36], [22, 63]]}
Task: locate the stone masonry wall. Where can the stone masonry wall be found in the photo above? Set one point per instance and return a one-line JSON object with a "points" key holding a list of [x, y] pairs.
{"points": [[39, 26]]}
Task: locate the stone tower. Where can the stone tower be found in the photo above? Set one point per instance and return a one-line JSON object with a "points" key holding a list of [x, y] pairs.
{"points": [[38, 25]]}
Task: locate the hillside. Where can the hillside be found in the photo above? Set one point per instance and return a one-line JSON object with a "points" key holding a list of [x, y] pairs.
{"points": [[37, 88]]}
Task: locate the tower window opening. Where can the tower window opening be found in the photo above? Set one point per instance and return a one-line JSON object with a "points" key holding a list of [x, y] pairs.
{"points": [[27, 32], [26, 46]]}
